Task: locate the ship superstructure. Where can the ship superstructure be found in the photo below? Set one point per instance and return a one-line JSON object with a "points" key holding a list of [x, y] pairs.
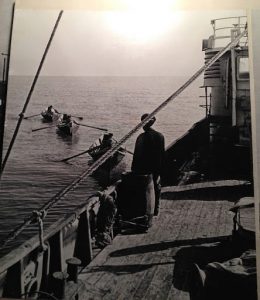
{"points": [[218, 146], [227, 92]]}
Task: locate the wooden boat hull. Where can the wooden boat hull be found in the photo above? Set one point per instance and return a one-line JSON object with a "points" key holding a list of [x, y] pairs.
{"points": [[111, 170], [67, 130]]}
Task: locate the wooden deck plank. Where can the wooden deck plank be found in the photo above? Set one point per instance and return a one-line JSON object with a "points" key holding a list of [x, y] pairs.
{"points": [[134, 259], [148, 261], [178, 290], [141, 266], [205, 185], [163, 278], [131, 283], [247, 219], [145, 291], [218, 216], [227, 216], [132, 265], [115, 264]]}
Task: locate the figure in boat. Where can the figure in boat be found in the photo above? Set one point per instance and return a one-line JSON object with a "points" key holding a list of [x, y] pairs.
{"points": [[110, 170], [51, 109], [66, 119], [107, 142], [102, 145], [50, 114], [67, 125]]}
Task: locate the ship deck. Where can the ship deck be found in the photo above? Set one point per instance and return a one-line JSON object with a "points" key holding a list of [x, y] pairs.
{"points": [[156, 264]]}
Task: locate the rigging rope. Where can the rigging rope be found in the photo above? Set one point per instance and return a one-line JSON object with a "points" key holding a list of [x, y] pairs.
{"points": [[21, 115], [110, 152]]}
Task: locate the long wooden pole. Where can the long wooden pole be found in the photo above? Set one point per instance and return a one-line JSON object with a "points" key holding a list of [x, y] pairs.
{"points": [[21, 115]]}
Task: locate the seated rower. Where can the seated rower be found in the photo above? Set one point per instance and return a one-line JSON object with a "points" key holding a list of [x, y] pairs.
{"points": [[107, 141], [102, 145], [51, 110], [66, 120]]}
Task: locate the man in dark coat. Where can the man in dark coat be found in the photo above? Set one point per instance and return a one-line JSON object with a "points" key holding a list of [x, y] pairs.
{"points": [[149, 157]]}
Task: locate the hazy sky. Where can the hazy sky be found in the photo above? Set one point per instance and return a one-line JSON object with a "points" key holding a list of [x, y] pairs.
{"points": [[119, 43]]}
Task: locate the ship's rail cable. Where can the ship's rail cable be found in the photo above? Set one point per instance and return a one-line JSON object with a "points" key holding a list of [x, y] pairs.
{"points": [[21, 115], [116, 147]]}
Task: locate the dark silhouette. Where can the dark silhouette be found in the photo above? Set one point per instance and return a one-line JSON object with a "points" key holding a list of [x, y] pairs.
{"points": [[149, 157]]}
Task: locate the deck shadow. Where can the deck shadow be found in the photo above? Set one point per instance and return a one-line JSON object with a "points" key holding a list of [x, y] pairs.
{"points": [[165, 245], [228, 193], [124, 269]]}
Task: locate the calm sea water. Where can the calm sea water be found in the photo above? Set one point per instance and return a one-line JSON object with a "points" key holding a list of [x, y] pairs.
{"points": [[32, 176]]}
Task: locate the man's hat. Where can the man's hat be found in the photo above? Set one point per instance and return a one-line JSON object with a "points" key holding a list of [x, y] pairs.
{"points": [[150, 123], [108, 134]]}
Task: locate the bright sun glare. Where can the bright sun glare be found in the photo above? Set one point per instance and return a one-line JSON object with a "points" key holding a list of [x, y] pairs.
{"points": [[143, 21]]}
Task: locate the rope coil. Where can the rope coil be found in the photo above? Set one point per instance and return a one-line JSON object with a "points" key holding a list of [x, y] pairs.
{"points": [[116, 147]]}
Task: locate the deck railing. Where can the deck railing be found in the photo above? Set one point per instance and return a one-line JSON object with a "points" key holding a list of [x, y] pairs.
{"points": [[228, 28]]}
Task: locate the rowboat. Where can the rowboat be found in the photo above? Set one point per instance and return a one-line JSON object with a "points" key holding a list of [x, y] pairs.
{"points": [[102, 145], [49, 116], [112, 168], [67, 128]]}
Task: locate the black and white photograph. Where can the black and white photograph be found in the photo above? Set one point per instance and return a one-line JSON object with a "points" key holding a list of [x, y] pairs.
{"points": [[128, 151]]}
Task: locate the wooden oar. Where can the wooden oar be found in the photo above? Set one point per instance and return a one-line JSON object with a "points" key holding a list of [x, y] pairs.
{"points": [[86, 151], [25, 118], [130, 152], [81, 118], [104, 129], [43, 128]]}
